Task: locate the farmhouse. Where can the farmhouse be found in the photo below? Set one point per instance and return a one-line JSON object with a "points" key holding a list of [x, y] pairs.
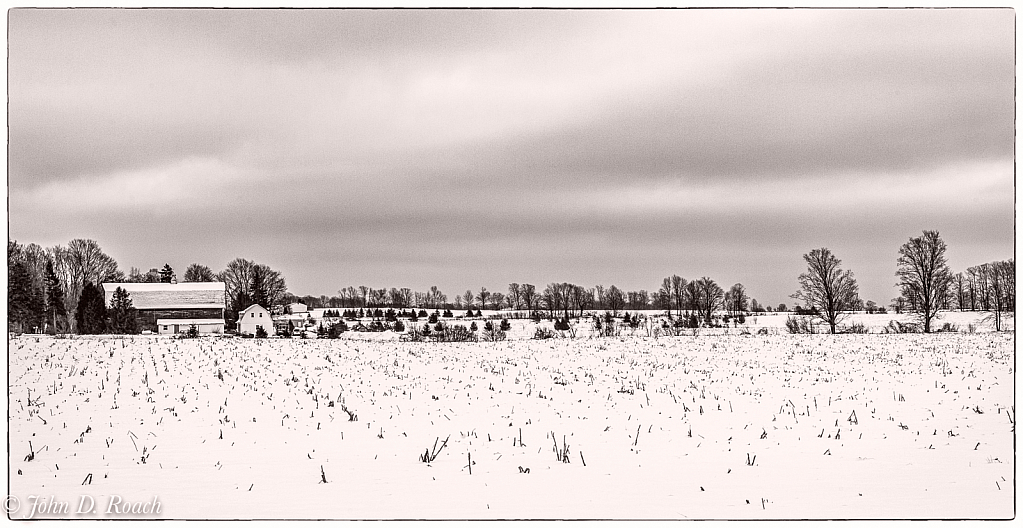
{"points": [[174, 308], [254, 317]]}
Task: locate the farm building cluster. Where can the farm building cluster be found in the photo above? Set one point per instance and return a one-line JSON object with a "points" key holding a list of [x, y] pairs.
{"points": [[177, 308]]}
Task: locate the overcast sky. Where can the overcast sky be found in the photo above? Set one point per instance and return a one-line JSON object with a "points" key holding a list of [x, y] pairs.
{"points": [[476, 148]]}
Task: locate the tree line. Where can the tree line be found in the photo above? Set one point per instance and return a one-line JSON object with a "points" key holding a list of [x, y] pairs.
{"points": [[926, 284], [58, 290], [46, 288]]}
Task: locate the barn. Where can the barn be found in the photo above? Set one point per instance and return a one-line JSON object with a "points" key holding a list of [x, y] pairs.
{"points": [[165, 308], [253, 318]]}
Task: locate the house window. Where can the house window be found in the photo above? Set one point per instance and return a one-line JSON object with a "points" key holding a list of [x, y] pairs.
{"points": [[260, 315], [165, 327]]}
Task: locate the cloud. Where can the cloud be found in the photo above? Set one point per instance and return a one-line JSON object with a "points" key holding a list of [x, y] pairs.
{"points": [[560, 145]]}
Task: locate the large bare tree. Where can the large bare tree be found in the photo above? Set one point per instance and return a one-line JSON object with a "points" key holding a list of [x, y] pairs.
{"points": [[514, 300], [711, 297], [736, 300], [827, 287], [527, 293], [924, 275], [483, 296], [199, 273], [237, 279], [80, 262], [614, 299]]}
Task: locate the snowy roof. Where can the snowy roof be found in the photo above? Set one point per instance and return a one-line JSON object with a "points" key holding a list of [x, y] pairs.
{"points": [[156, 295], [164, 286], [252, 308], [291, 317]]}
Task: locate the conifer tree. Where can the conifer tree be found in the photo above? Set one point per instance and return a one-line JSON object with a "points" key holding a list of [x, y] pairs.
{"points": [[56, 313], [257, 287], [167, 274], [91, 314], [123, 316], [19, 296]]}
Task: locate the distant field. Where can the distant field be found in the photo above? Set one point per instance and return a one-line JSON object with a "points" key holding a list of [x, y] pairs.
{"points": [[719, 427]]}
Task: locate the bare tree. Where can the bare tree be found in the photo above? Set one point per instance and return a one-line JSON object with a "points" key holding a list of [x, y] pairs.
{"points": [[711, 297], [199, 273], [959, 285], [827, 287], [998, 283], [557, 297], [483, 296], [377, 297], [436, 297], [514, 301], [80, 262], [527, 293], [598, 299], [678, 292], [924, 276], [237, 279], [614, 299], [663, 299], [497, 299], [582, 298], [35, 259], [693, 294], [638, 300], [1008, 278], [468, 298], [736, 300]]}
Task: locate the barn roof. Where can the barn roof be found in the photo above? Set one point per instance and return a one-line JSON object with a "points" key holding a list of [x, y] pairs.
{"points": [[160, 295], [251, 308]]}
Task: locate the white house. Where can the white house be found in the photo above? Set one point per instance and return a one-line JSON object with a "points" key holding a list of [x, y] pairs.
{"points": [[253, 317]]}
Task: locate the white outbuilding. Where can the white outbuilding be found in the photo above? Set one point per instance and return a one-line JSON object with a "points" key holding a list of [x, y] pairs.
{"points": [[254, 317]]}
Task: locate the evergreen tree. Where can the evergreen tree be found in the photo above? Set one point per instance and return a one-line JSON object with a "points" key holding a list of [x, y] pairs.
{"points": [[123, 316], [91, 314], [167, 274], [257, 287], [19, 296], [56, 313]]}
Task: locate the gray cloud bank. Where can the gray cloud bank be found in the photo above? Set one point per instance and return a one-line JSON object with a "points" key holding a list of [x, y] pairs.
{"points": [[467, 148]]}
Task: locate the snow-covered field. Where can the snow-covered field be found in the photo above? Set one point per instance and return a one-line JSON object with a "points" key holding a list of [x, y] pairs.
{"points": [[710, 427]]}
